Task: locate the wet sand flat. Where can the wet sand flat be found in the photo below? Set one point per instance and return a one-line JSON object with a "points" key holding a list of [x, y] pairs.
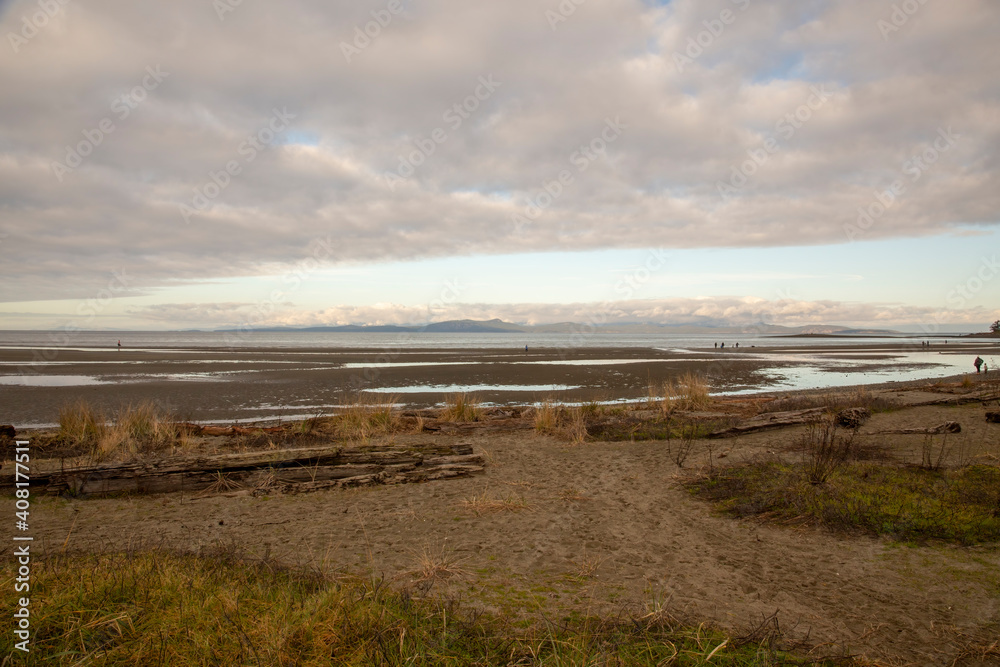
{"points": [[224, 384]]}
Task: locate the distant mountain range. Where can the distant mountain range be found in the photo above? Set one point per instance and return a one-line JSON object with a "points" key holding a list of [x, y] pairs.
{"points": [[499, 326]]}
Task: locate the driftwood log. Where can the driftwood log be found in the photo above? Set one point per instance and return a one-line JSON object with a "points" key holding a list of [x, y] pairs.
{"points": [[772, 420], [963, 400], [288, 471], [198, 429], [947, 427]]}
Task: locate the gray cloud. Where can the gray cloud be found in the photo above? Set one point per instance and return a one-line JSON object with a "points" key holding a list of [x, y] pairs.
{"points": [[656, 185]]}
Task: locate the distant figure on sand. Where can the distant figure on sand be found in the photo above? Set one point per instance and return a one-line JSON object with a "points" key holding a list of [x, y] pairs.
{"points": [[722, 344], [525, 348], [977, 363], [716, 345], [119, 345]]}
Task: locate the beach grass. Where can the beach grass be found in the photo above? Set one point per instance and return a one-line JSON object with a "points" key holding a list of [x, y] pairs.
{"points": [[906, 503], [546, 417], [462, 407], [566, 422], [131, 431], [157, 607], [688, 392], [368, 416]]}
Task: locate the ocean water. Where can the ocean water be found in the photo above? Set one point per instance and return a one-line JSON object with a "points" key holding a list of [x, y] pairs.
{"points": [[291, 340]]}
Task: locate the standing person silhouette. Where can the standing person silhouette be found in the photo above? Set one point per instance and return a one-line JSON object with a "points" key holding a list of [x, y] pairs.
{"points": [[119, 344], [977, 363]]}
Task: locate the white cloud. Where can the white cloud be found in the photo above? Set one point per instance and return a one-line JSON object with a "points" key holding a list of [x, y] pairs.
{"points": [[704, 311], [655, 186]]}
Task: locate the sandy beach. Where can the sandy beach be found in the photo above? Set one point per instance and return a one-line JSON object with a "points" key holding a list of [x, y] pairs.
{"points": [[605, 527]]}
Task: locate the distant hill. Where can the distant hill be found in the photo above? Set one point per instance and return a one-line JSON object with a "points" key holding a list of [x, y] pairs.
{"points": [[499, 326]]}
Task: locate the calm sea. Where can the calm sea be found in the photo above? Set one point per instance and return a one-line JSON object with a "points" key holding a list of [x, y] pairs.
{"points": [[333, 340]]}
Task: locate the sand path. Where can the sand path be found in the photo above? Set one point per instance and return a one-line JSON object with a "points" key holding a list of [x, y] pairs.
{"points": [[614, 512]]}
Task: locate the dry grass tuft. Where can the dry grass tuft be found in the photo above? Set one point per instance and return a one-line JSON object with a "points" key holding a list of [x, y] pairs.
{"points": [[569, 423], [222, 484], [575, 428], [688, 392], [545, 417], [587, 566], [462, 407], [434, 566], [570, 494], [81, 423], [134, 430], [369, 416]]}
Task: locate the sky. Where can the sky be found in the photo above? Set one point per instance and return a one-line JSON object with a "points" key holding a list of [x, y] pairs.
{"points": [[219, 163]]}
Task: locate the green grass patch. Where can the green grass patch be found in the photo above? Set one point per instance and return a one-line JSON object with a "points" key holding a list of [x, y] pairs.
{"points": [[906, 503], [161, 608], [628, 428]]}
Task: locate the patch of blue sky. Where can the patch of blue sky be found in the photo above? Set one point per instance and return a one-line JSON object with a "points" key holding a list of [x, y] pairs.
{"points": [[298, 138], [919, 271], [785, 67]]}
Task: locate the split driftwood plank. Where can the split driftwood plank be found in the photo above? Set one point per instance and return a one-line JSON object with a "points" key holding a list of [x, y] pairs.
{"points": [[772, 420], [304, 469], [947, 427]]}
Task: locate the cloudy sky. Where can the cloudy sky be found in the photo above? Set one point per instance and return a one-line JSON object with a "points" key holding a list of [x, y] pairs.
{"points": [[221, 162]]}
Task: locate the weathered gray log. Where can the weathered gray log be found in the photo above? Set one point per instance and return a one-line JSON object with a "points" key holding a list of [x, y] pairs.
{"points": [[772, 420], [284, 469], [947, 427], [198, 429], [963, 400]]}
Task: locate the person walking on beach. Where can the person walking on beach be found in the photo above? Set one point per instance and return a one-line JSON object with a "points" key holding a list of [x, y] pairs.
{"points": [[119, 344], [977, 363]]}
